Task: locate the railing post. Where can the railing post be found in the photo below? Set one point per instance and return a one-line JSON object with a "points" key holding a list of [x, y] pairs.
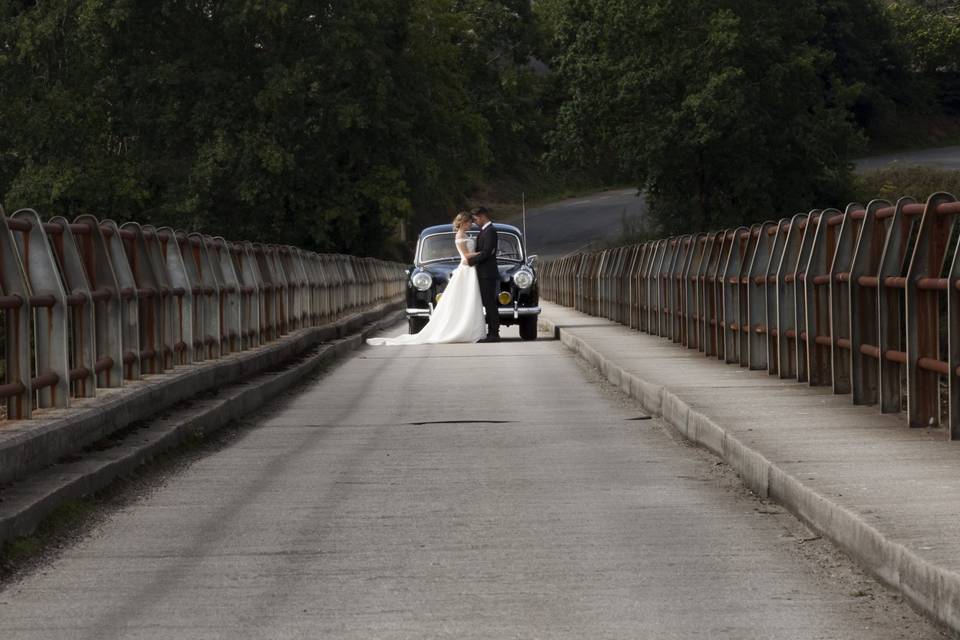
{"points": [[678, 297], [154, 316], [81, 324], [692, 289], [841, 356], [787, 331], [711, 304], [772, 296], [891, 305], [734, 302], [864, 314], [130, 304], [758, 327], [15, 289], [232, 299], [52, 382], [922, 313], [109, 310], [819, 338], [953, 333]]}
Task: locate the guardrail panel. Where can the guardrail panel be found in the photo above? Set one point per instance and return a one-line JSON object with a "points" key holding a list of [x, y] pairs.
{"points": [[867, 300]]}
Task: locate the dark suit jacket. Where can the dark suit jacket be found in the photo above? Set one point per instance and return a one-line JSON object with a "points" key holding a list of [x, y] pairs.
{"points": [[486, 259]]}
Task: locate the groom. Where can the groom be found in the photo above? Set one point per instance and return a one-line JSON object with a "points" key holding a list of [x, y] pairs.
{"points": [[488, 274]]}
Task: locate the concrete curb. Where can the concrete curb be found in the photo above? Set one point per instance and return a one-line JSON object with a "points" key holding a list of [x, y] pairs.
{"points": [[24, 504], [933, 589], [31, 445]]}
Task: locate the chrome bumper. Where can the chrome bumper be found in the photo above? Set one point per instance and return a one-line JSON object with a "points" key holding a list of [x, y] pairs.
{"points": [[504, 311]]}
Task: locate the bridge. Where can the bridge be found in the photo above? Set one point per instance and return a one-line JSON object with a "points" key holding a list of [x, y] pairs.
{"points": [[541, 489]]}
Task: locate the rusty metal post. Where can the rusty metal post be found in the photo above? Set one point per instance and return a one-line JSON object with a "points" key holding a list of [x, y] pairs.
{"points": [[841, 355], [81, 321], [134, 323], [692, 290], [254, 305], [710, 312], [15, 295], [185, 326], [679, 290], [653, 282], [153, 313], [953, 329], [818, 337], [924, 289], [49, 304], [109, 310], [787, 332], [731, 290], [891, 303], [756, 297], [864, 311], [771, 293]]}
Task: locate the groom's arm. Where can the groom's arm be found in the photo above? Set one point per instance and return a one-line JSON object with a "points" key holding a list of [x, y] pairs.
{"points": [[484, 252]]}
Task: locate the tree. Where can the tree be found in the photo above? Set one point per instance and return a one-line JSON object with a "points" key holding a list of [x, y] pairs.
{"points": [[319, 124], [724, 111]]}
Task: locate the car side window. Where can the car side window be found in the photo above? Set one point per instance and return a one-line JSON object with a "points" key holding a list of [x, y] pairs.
{"points": [[508, 247]]}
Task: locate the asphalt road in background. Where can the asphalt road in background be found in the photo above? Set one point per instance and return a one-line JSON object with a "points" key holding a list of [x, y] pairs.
{"points": [[563, 227], [943, 158], [453, 491], [577, 223]]}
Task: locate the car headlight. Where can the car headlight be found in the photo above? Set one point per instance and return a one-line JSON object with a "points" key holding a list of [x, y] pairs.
{"points": [[422, 280], [523, 278]]}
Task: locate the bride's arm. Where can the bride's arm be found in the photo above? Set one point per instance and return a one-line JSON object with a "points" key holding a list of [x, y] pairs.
{"points": [[461, 249]]}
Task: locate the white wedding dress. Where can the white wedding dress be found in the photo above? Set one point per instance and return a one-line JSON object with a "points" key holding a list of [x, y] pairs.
{"points": [[458, 317]]}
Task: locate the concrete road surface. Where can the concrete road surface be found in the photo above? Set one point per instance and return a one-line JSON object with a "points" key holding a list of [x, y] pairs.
{"points": [[943, 158], [563, 227], [455, 491]]}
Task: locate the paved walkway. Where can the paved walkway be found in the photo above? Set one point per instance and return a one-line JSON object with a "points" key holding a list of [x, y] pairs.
{"points": [[457, 491], [889, 495]]}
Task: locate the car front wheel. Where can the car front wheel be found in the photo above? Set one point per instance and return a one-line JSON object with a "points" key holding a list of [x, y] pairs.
{"points": [[528, 327], [416, 323]]}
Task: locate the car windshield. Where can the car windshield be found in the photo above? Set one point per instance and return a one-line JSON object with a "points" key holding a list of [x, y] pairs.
{"points": [[441, 246]]}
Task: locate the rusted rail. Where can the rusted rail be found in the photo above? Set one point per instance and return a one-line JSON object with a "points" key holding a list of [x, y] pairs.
{"points": [[866, 300], [90, 304]]}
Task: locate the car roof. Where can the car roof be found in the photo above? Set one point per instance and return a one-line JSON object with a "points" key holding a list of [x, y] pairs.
{"points": [[446, 228]]}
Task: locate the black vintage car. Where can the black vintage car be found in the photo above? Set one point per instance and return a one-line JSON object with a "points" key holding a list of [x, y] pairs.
{"points": [[435, 259]]}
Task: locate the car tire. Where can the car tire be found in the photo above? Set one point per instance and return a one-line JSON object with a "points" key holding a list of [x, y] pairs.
{"points": [[528, 327], [415, 324]]}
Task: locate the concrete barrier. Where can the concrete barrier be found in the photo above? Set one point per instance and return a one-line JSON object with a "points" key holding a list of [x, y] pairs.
{"points": [[261, 371], [29, 445]]}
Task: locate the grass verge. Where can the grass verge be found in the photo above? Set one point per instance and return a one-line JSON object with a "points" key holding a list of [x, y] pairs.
{"points": [[917, 182]]}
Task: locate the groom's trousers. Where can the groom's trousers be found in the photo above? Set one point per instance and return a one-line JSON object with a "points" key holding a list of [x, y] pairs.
{"points": [[489, 290]]}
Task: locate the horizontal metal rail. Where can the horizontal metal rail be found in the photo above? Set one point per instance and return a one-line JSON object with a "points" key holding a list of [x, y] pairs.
{"points": [[88, 304], [865, 300]]}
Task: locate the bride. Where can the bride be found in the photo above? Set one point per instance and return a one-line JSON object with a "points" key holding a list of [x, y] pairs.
{"points": [[458, 316]]}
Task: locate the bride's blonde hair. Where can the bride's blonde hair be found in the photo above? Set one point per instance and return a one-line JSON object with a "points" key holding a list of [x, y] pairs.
{"points": [[463, 218]]}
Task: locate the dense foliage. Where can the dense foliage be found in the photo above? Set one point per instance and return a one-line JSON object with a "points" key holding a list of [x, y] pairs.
{"points": [[728, 110], [293, 121], [326, 124]]}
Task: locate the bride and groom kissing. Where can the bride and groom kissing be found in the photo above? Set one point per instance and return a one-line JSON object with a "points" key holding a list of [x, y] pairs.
{"points": [[473, 288]]}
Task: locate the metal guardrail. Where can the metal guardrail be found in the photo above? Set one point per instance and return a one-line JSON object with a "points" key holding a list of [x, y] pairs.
{"points": [[865, 300], [89, 304]]}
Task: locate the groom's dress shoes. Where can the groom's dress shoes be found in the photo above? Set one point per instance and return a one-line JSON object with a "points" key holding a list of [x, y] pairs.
{"points": [[490, 339]]}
